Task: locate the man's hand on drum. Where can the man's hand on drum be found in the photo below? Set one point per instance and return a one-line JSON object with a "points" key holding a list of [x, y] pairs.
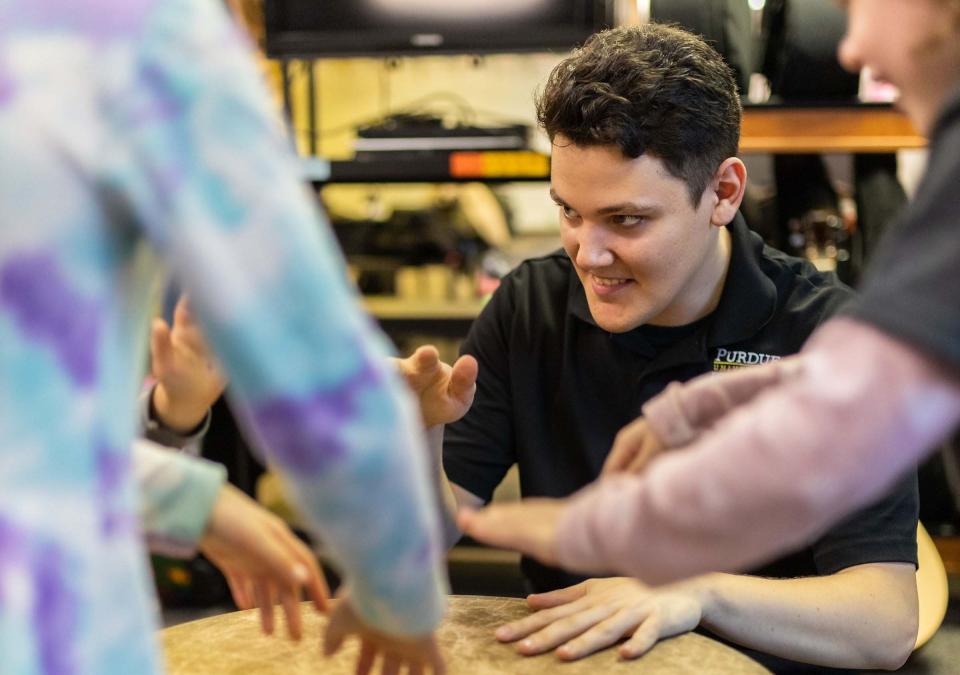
{"points": [[189, 380], [444, 392], [263, 561], [598, 613], [418, 654], [634, 447]]}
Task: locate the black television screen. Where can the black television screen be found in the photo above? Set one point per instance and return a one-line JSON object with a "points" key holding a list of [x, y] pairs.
{"points": [[317, 28]]}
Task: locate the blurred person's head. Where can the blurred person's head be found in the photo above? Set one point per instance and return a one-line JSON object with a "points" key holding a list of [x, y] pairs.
{"points": [[644, 123], [912, 44]]}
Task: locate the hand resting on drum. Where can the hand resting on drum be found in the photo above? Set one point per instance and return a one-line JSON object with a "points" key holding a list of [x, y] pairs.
{"points": [[263, 561], [598, 613], [417, 653]]}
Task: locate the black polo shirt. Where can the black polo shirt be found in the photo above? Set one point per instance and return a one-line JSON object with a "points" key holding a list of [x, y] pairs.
{"points": [[554, 388]]}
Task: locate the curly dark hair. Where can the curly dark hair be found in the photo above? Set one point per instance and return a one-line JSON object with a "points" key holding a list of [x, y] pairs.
{"points": [[652, 88]]}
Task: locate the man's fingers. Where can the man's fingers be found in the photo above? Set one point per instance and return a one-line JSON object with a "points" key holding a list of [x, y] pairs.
{"points": [[616, 460], [427, 357], [627, 443], [561, 596], [642, 460], [514, 630], [563, 630], [463, 378], [420, 368], [642, 640], [600, 636]]}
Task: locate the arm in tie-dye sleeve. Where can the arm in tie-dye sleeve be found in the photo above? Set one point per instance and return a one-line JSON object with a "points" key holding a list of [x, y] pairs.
{"points": [[217, 189], [177, 494]]}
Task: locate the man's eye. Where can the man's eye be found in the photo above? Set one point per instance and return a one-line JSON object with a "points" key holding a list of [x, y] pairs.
{"points": [[567, 211], [627, 220]]}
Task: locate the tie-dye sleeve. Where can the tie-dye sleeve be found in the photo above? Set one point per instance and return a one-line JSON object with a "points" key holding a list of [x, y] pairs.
{"points": [[215, 186], [177, 494]]}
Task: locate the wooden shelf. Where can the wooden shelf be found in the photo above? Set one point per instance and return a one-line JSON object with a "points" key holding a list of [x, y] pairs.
{"points": [[389, 308], [841, 129]]}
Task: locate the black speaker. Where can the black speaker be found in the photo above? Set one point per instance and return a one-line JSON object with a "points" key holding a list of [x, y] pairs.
{"points": [[800, 51], [725, 24]]}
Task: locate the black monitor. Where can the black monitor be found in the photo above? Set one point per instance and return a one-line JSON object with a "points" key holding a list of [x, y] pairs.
{"points": [[328, 28]]}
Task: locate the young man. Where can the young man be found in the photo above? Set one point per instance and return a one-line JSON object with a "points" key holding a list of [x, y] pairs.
{"points": [[882, 380], [659, 281]]}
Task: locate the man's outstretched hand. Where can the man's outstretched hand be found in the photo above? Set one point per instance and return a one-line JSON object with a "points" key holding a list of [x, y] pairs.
{"points": [[445, 392]]}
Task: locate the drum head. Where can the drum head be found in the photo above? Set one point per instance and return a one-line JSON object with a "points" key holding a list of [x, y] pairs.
{"points": [[233, 643]]}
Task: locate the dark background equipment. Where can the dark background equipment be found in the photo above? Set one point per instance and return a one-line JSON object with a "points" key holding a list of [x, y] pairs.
{"points": [[307, 28]]}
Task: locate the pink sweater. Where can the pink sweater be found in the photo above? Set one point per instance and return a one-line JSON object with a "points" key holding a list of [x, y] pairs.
{"points": [[773, 455]]}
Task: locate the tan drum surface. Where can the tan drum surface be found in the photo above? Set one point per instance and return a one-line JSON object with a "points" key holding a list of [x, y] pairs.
{"points": [[233, 643]]}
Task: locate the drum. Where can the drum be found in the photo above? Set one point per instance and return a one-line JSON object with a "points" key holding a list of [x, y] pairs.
{"points": [[233, 644]]}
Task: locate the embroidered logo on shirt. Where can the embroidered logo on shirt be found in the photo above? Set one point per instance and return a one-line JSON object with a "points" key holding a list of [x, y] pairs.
{"points": [[728, 359]]}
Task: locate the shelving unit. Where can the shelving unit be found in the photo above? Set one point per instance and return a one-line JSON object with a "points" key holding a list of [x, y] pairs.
{"points": [[766, 128], [770, 128]]}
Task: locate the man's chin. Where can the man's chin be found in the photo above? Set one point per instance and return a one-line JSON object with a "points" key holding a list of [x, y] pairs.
{"points": [[621, 324], [615, 318]]}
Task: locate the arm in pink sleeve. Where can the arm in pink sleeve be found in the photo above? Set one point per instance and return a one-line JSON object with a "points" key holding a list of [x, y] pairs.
{"points": [[683, 411], [775, 472]]}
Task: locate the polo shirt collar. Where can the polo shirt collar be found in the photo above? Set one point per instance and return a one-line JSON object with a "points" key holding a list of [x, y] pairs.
{"points": [[748, 300], [749, 297]]}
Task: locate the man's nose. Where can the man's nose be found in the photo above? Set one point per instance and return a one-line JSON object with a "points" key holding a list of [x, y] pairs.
{"points": [[594, 249]]}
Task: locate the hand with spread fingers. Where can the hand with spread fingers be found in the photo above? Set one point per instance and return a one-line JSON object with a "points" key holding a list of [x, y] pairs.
{"points": [[528, 526], [189, 380], [263, 561], [597, 613], [634, 447], [445, 392], [419, 655]]}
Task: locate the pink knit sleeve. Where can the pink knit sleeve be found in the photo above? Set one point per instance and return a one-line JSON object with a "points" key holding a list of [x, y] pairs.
{"points": [[860, 409], [683, 411]]}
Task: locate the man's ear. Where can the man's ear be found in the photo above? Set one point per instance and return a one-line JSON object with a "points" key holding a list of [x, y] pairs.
{"points": [[728, 185]]}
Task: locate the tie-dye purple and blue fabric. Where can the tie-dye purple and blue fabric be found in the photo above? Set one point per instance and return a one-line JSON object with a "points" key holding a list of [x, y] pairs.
{"points": [[135, 133]]}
